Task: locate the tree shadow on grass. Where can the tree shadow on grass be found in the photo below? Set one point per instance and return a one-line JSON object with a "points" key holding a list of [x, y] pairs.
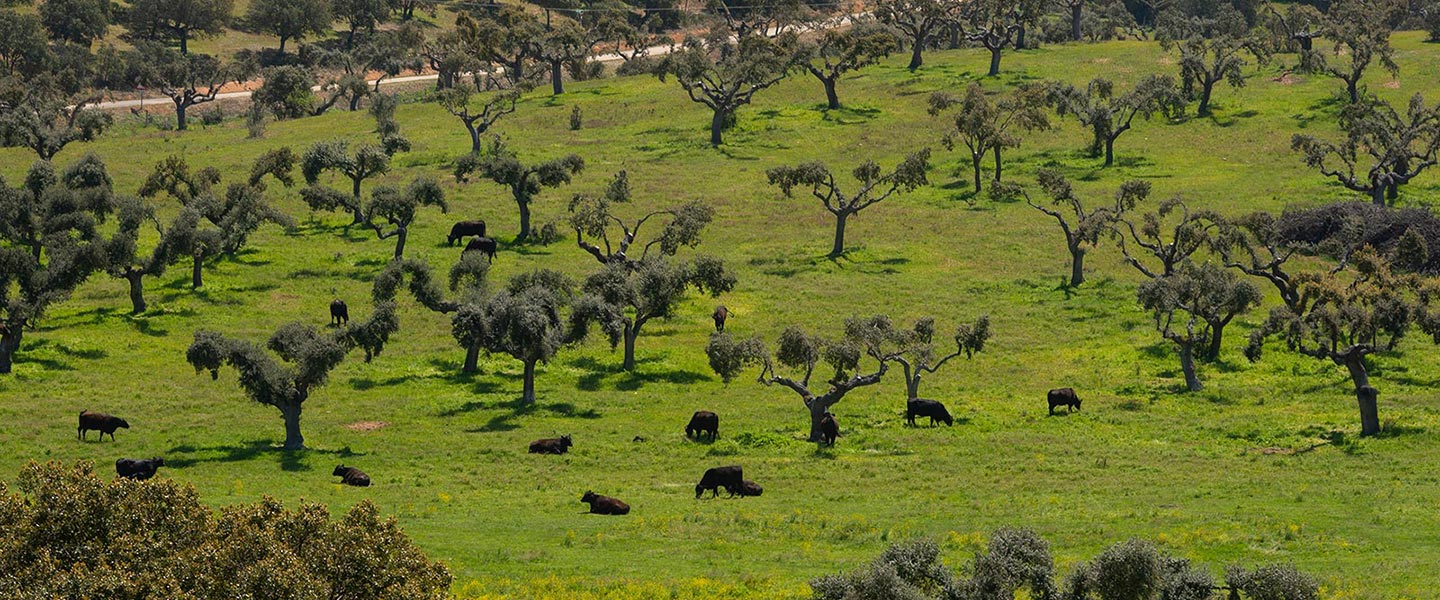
{"points": [[514, 409], [289, 460], [50, 364], [598, 372]]}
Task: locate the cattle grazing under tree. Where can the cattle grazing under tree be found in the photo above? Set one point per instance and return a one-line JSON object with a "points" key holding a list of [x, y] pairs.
{"points": [[339, 313], [464, 229], [559, 445], [138, 469], [702, 422], [351, 476], [604, 505], [1063, 397], [920, 407], [732, 478], [829, 430], [483, 245], [100, 422], [720, 315]]}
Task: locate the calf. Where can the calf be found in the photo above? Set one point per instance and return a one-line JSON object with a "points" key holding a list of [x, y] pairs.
{"points": [[339, 313], [465, 229], [352, 476], [484, 245], [750, 488], [703, 422], [558, 445], [720, 315], [829, 429], [919, 407], [1063, 397], [732, 478], [100, 422], [138, 469], [605, 505]]}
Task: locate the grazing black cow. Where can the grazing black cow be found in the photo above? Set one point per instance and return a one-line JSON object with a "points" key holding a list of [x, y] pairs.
{"points": [[351, 476], [829, 429], [920, 407], [100, 422], [465, 229], [732, 478], [605, 505], [702, 422], [484, 245], [1063, 397], [339, 313], [720, 315], [558, 445], [138, 469], [750, 488]]}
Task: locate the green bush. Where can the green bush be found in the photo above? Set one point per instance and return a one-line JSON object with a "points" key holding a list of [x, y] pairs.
{"points": [[69, 534]]}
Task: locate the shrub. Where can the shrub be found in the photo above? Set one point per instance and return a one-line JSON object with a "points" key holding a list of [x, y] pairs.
{"points": [[69, 534]]}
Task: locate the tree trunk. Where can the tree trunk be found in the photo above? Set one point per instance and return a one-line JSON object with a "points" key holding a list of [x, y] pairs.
{"points": [[528, 395], [1306, 44], [180, 123], [912, 387], [975, 159], [818, 409], [357, 215], [557, 78], [717, 127], [1352, 86], [1075, 33], [196, 269], [9, 345], [839, 247], [1205, 90], [1187, 364], [1377, 194], [293, 439], [995, 61], [472, 360], [831, 97], [403, 232], [631, 333], [1216, 338], [474, 137], [1109, 152], [998, 171], [184, 42], [916, 60], [354, 102], [524, 206], [1020, 37], [137, 291], [1077, 266], [283, 39], [1366, 396]]}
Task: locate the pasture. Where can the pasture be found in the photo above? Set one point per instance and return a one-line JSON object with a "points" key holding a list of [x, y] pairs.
{"points": [[1265, 465]]}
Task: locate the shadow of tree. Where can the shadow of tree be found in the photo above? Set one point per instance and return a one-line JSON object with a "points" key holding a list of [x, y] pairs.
{"points": [[289, 460], [598, 373], [514, 409]]}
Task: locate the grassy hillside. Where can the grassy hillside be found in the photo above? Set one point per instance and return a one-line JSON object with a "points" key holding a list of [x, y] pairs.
{"points": [[1141, 459]]}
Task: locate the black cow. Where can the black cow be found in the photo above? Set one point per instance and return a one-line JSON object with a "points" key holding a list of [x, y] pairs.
{"points": [[484, 245], [702, 422], [605, 505], [750, 488], [558, 445], [339, 313], [920, 407], [138, 469], [1063, 397], [720, 315], [465, 229], [100, 422], [732, 478], [351, 476], [829, 429]]}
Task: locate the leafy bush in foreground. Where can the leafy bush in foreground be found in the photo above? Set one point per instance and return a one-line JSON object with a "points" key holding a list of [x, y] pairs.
{"points": [[69, 534]]}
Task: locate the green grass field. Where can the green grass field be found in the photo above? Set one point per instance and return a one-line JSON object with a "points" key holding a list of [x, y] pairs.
{"points": [[1141, 459]]}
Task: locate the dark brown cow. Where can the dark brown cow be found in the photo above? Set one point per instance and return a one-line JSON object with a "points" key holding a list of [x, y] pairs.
{"points": [[829, 429], [720, 315], [732, 478], [1063, 397], [558, 445], [605, 505], [750, 488], [465, 229], [703, 422], [339, 313], [920, 407], [352, 476], [100, 422], [484, 245], [138, 469]]}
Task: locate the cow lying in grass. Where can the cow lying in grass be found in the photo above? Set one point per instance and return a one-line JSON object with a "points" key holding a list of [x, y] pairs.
{"points": [[138, 469], [558, 445], [604, 505], [352, 476]]}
